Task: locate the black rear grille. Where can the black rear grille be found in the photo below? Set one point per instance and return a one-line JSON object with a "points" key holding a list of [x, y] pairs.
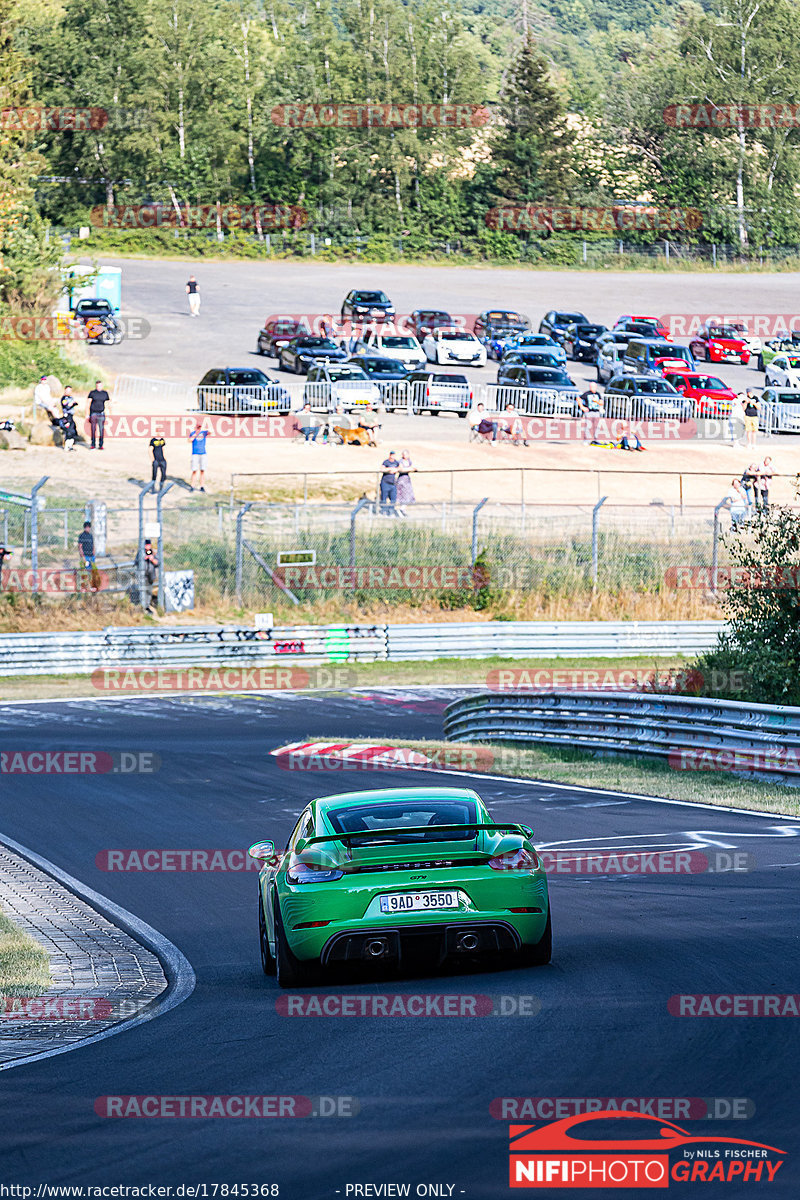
{"points": [[439, 865]]}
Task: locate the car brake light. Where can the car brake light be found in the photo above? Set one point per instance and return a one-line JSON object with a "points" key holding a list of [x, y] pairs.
{"points": [[427, 390], [321, 924], [301, 872], [515, 860]]}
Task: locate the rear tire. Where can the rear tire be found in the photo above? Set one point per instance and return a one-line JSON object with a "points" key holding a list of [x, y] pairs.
{"points": [[291, 972], [539, 954], [267, 959]]}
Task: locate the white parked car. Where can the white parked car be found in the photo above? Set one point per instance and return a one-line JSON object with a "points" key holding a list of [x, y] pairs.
{"points": [[779, 410], [454, 346], [783, 371], [403, 347], [330, 384]]}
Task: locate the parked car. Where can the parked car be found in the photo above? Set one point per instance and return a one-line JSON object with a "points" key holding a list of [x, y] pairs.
{"points": [[789, 342], [243, 390], [580, 341], [388, 373], [454, 346], [645, 398], [655, 323], [531, 357], [425, 320], [276, 334], [555, 323], [402, 346], [500, 346], [555, 391], [364, 305], [654, 356], [719, 343], [329, 384], [433, 392], [779, 410], [100, 325], [783, 371], [302, 352], [609, 360], [710, 396], [498, 323]]}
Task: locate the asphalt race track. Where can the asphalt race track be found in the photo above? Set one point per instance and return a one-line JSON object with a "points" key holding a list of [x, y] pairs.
{"points": [[623, 946]]}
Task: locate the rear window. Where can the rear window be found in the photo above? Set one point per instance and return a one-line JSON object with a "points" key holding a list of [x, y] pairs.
{"points": [[247, 377], [547, 377], [399, 343], [346, 372], [415, 819], [316, 343], [449, 378], [457, 335], [667, 350], [370, 297]]}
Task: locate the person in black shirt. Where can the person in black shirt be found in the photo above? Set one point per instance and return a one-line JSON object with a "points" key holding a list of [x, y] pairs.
{"points": [[67, 419], [96, 412], [157, 445], [86, 544], [193, 292]]}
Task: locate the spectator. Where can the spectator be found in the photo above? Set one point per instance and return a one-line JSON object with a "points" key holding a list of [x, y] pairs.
{"points": [[198, 440], [4, 554], [736, 501], [42, 397], [751, 409], [391, 469], [68, 401], [96, 412], [749, 481], [765, 472], [631, 440], [193, 292], [405, 492], [67, 419], [86, 544], [513, 425], [590, 404], [150, 572], [307, 423], [477, 417], [157, 445], [736, 425]]}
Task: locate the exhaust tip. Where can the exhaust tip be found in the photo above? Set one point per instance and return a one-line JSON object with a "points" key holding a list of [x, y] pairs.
{"points": [[376, 948], [468, 942]]}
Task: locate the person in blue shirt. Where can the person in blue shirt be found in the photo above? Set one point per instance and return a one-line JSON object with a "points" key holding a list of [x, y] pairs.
{"points": [[198, 439]]}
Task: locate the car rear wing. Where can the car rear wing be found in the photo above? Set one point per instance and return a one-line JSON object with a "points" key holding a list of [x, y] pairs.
{"points": [[375, 834]]}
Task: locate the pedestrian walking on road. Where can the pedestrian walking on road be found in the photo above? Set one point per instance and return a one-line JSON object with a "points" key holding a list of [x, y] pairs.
{"points": [[157, 445], [193, 292], [198, 439], [96, 412]]}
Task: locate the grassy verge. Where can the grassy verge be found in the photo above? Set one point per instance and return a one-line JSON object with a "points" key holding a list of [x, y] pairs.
{"points": [[622, 774], [24, 964], [441, 672]]}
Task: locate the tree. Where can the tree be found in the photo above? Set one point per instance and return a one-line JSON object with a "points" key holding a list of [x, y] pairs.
{"points": [[533, 152]]}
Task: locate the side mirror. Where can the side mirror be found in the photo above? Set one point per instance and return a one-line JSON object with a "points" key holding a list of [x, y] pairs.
{"points": [[263, 850]]}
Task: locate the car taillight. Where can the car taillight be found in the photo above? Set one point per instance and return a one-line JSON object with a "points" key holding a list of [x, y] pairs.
{"points": [[427, 390], [301, 872], [470, 394], [515, 860]]}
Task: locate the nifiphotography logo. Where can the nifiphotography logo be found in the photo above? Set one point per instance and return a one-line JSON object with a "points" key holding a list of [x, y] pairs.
{"points": [[576, 1153]]}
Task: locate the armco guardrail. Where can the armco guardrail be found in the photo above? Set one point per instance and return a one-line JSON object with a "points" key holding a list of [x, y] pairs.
{"points": [[761, 740], [182, 645], [551, 639]]}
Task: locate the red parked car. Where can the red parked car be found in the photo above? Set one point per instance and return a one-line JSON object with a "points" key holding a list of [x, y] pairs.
{"points": [[659, 328], [720, 343], [710, 396]]}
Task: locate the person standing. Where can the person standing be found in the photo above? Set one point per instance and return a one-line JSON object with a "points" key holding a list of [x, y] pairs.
{"points": [[736, 424], [96, 412], [391, 469], [405, 492], [590, 403], [4, 554], [86, 545], [193, 292], [157, 445], [765, 472], [67, 421], [751, 408], [198, 439]]}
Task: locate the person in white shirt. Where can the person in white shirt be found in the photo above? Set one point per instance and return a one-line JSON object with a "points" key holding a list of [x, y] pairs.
{"points": [[736, 501], [42, 397], [736, 423]]}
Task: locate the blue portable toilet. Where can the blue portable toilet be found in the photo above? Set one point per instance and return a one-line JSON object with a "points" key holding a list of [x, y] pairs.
{"points": [[82, 282]]}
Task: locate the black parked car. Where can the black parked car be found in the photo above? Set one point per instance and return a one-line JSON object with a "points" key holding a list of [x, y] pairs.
{"points": [[555, 323], [303, 352], [497, 323], [242, 390], [364, 305], [580, 341], [552, 390], [277, 333]]}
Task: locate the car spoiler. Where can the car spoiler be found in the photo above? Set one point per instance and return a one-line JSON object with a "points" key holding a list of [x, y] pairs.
{"points": [[380, 833]]}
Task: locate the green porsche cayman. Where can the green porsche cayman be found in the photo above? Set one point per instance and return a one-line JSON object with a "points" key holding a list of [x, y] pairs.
{"points": [[373, 877]]}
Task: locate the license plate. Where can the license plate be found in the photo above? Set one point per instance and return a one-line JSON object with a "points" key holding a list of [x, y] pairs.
{"points": [[418, 901]]}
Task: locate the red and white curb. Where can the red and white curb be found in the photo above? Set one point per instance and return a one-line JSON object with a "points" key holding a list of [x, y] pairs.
{"points": [[348, 756]]}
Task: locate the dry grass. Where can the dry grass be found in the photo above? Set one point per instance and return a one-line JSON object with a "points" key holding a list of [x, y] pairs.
{"points": [[622, 774], [24, 963]]}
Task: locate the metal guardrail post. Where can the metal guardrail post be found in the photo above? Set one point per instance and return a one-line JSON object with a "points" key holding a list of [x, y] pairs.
{"points": [[240, 550], [475, 512], [148, 487], [160, 494], [353, 516], [35, 530], [595, 524]]}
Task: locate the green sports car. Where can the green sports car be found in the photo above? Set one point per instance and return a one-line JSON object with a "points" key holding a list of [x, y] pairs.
{"points": [[376, 877]]}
